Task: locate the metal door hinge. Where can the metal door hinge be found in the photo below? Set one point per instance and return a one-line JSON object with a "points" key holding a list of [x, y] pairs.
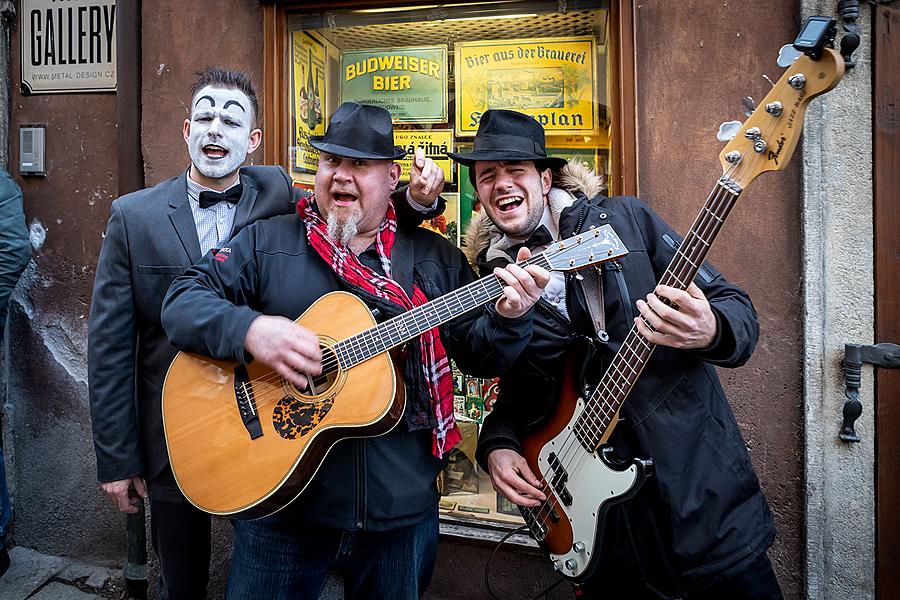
{"points": [[886, 356]]}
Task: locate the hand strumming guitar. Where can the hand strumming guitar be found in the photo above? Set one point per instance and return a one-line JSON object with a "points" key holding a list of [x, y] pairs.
{"points": [[511, 477], [287, 347]]}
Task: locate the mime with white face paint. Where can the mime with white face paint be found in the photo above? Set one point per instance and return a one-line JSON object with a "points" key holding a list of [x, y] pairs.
{"points": [[154, 235]]}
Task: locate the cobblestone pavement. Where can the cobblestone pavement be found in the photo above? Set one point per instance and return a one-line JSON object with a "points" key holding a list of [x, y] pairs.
{"points": [[36, 576]]}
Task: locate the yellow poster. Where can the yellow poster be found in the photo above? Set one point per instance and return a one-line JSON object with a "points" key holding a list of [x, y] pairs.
{"points": [[551, 79], [308, 106], [436, 143]]}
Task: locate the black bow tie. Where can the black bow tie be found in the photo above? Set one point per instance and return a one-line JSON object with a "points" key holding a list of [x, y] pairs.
{"points": [[539, 238], [232, 195]]}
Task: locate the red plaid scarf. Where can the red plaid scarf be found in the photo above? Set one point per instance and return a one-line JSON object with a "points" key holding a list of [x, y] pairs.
{"points": [[434, 362]]}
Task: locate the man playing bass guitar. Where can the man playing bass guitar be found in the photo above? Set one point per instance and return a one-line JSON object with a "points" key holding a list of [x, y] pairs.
{"points": [[700, 527]]}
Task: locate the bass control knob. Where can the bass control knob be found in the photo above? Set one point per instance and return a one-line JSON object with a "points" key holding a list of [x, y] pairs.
{"points": [[578, 547], [571, 564], [557, 565]]}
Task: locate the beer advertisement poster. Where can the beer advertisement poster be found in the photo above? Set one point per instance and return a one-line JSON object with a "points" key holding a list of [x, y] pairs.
{"points": [[551, 79], [410, 82], [435, 142], [68, 46], [308, 106]]}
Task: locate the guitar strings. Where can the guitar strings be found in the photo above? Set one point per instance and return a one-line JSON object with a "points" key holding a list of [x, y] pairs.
{"points": [[333, 364], [704, 228]]}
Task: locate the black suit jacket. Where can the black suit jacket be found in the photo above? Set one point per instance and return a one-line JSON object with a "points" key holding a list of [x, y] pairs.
{"points": [[151, 239]]}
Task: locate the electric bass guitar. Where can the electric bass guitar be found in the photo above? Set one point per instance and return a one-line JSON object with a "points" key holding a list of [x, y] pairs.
{"points": [[244, 442], [567, 451]]}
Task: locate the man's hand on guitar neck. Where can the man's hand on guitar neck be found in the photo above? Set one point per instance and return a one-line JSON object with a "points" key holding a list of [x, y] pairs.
{"points": [[512, 477], [522, 288], [688, 324], [290, 349]]}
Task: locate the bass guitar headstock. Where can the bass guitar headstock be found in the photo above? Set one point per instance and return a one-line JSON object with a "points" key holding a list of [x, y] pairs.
{"points": [[767, 140]]}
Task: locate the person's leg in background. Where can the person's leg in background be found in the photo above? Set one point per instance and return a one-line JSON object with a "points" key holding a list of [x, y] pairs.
{"points": [[180, 537]]}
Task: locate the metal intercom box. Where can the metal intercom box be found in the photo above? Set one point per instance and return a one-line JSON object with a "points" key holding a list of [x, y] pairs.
{"points": [[31, 150]]}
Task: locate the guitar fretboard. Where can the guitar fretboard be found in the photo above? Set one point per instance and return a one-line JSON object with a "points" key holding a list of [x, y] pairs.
{"points": [[402, 328], [616, 383]]}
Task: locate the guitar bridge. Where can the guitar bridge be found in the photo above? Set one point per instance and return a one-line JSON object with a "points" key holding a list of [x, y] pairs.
{"points": [[246, 403]]}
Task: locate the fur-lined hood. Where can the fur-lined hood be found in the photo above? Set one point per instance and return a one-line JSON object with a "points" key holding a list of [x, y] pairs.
{"points": [[574, 178]]}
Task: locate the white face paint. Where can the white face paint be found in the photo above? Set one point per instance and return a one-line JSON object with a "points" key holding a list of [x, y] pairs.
{"points": [[221, 123]]}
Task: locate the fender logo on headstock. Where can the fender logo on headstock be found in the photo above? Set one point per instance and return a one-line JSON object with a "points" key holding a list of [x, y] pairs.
{"points": [[774, 155]]}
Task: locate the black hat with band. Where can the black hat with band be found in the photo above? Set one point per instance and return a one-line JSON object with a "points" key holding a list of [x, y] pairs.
{"points": [[359, 131], [508, 135]]}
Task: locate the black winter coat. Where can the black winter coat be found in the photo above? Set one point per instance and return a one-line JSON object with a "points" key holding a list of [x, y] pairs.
{"points": [[703, 512], [373, 483]]}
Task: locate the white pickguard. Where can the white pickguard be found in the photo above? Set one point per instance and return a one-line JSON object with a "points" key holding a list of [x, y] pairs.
{"points": [[591, 483]]}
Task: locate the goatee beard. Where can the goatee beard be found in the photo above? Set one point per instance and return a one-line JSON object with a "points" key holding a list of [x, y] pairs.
{"points": [[343, 230]]}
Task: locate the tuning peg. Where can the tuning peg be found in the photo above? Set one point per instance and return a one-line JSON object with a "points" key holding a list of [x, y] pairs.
{"points": [[728, 130], [787, 55], [749, 105]]}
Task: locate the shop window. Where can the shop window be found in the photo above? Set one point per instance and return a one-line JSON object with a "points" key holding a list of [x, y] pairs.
{"points": [[437, 68]]}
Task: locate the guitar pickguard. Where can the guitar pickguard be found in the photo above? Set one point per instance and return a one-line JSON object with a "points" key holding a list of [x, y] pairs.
{"points": [[584, 485], [294, 418]]}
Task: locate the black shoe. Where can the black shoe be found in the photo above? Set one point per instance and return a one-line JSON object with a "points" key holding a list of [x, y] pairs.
{"points": [[4, 561]]}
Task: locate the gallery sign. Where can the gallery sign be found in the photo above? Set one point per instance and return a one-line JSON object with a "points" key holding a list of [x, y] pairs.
{"points": [[68, 46], [551, 79], [409, 82]]}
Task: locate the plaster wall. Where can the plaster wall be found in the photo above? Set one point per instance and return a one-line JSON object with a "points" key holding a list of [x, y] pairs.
{"points": [[838, 308], [58, 507]]}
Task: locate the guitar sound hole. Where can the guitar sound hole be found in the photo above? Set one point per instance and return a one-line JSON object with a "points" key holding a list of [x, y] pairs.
{"points": [[330, 372]]}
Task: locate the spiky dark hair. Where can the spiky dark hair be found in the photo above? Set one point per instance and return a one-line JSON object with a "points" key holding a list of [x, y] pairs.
{"points": [[228, 79]]}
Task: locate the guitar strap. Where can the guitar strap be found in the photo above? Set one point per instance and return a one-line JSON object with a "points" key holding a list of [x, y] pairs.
{"points": [[592, 287]]}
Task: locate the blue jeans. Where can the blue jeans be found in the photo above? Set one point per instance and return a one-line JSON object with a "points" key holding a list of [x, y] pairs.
{"points": [[273, 562]]}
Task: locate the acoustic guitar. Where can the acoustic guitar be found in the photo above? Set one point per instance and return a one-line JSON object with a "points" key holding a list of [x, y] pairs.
{"points": [[244, 442], [567, 451]]}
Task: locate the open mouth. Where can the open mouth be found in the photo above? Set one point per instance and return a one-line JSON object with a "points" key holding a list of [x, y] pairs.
{"points": [[510, 203], [344, 199], [214, 152]]}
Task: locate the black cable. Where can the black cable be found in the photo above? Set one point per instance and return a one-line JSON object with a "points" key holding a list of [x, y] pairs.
{"points": [[487, 568]]}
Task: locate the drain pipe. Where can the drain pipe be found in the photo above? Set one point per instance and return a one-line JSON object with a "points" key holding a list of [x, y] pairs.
{"points": [[130, 171]]}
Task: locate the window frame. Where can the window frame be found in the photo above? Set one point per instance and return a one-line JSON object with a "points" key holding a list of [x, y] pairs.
{"points": [[623, 167]]}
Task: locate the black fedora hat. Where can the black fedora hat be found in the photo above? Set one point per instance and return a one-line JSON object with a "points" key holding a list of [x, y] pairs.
{"points": [[359, 131], [508, 135]]}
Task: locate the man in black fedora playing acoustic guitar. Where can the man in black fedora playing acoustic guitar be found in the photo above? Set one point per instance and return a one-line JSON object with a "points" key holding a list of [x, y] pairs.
{"points": [[153, 235], [700, 526], [370, 511]]}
